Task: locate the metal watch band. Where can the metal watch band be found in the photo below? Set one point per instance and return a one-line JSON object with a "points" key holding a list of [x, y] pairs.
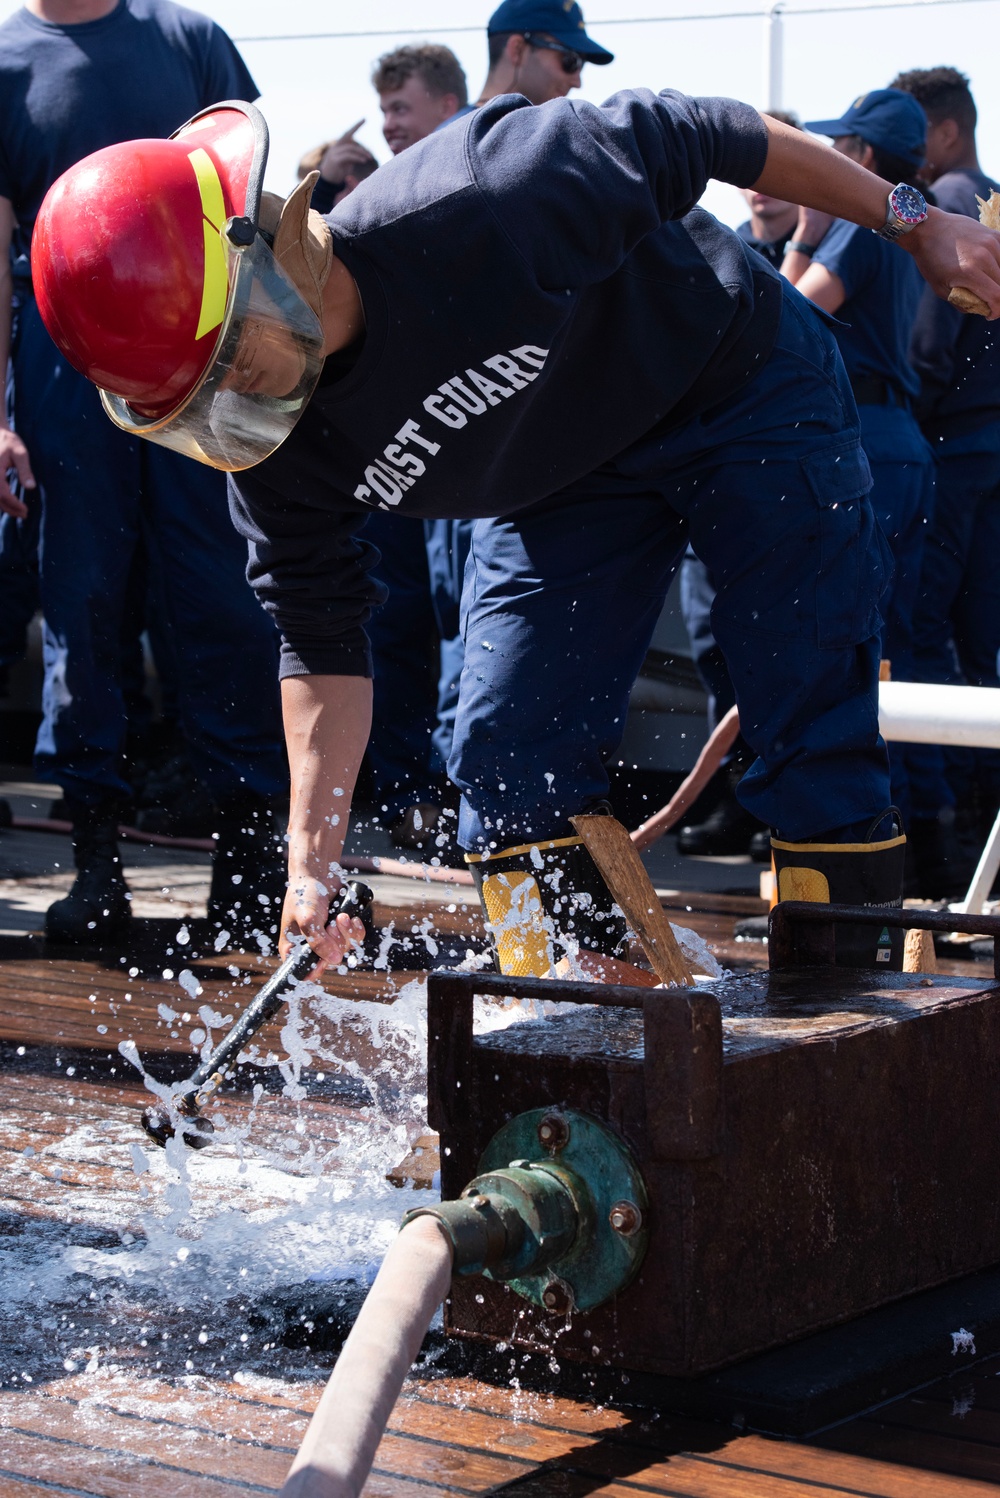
{"points": [[895, 226]]}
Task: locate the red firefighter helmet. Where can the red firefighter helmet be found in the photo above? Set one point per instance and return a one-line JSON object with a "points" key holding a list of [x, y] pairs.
{"points": [[152, 278]]}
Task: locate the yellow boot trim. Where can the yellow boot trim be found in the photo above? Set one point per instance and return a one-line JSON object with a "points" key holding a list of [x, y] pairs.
{"points": [[806, 848], [522, 848], [803, 884], [514, 909]]}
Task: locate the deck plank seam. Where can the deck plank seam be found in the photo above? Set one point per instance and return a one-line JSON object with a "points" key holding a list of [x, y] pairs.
{"points": [[50, 1487], [146, 1418], [117, 1454]]}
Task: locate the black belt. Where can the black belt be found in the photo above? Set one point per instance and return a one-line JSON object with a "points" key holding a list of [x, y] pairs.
{"points": [[869, 390]]}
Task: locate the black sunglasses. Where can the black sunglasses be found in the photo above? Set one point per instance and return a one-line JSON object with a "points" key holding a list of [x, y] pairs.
{"points": [[571, 61]]}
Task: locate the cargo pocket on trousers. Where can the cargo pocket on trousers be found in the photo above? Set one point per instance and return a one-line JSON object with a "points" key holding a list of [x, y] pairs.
{"points": [[854, 560]]}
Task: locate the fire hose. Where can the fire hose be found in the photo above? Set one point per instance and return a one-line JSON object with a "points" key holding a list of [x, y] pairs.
{"points": [[566, 1231]]}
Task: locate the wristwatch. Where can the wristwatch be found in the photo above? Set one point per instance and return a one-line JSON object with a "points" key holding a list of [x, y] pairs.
{"points": [[800, 247], [905, 209]]}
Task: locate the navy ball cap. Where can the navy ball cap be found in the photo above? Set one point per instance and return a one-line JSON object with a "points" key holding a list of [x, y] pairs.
{"points": [[887, 118], [560, 19]]}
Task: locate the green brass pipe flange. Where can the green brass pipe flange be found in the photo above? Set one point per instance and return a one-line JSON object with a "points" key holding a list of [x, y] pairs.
{"points": [[597, 1170]]}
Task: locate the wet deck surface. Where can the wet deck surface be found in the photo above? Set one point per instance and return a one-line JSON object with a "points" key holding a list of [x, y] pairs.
{"points": [[168, 1320], [118, 1433]]}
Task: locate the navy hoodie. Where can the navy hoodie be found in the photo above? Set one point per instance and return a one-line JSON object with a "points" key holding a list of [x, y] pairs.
{"points": [[540, 292], [956, 354]]}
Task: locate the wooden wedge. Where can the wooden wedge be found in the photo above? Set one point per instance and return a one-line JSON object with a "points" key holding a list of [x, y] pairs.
{"points": [[622, 870], [919, 955]]}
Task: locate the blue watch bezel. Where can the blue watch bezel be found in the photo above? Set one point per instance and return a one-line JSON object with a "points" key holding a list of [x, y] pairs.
{"points": [[898, 223]]}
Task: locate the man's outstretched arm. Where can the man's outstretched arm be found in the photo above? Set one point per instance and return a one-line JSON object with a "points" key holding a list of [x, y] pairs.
{"points": [[950, 249], [327, 721]]}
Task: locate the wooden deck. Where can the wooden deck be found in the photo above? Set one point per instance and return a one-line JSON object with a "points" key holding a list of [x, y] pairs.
{"points": [[138, 1356], [121, 1434]]}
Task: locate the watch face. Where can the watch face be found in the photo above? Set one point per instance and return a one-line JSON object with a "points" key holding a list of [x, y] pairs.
{"points": [[908, 204]]}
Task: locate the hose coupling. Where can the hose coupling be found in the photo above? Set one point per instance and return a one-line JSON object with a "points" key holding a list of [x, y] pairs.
{"points": [[511, 1222]]}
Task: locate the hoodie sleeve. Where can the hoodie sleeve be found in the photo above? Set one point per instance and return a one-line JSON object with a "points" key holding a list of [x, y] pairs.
{"points": [[311, 572], [576, 186]]}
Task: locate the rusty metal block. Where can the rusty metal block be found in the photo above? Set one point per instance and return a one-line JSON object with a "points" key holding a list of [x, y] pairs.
{"points": [[814, 1143]]}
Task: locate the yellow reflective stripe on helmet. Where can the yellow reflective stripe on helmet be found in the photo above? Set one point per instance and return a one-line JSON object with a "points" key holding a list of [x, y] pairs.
{"points": [[216, 286], [213, 204]]}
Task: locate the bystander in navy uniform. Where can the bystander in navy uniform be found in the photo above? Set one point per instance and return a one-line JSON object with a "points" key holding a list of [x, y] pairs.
{"points": [[729, 828], [117, 69], [874, 288], [956, 792]]}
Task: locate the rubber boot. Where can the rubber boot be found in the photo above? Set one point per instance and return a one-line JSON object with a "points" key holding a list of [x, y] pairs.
{"points": [[728, 829], [96, 911], [760, 845], [543, 901], [415, 828], [865, 872], [249, 872]]}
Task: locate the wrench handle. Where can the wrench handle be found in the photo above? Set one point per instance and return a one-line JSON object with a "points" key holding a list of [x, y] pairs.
{"points": [[355, 900]]}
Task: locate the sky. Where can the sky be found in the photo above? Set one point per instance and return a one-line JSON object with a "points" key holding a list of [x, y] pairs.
{"points": [[311, 90]]}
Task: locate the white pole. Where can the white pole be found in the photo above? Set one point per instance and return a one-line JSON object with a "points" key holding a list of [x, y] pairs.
{"points": [[919, 712], [986, 872], [773, 39]]}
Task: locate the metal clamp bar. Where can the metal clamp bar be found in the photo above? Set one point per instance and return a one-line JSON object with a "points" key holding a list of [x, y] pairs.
{"points": [[789, 913]]}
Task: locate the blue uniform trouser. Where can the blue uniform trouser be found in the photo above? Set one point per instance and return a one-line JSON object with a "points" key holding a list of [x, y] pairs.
{"points": [[561, 601], [417, 653], [957, 618], [448, 544], [403, 635], [101, 493], [697, 598], [18, 584], [18, 563], [902, 497], [903, 500]]}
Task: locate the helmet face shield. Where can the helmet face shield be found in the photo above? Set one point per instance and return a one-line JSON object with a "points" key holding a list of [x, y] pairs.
{"points": [[265, 367]]}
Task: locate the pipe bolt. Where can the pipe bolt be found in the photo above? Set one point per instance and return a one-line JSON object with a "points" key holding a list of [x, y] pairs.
{"points": [[625, 1218], [557, 1297], [553, 1132]]}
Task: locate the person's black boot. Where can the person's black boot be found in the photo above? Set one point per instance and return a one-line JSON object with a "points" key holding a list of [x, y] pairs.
{"points": [[726, 830], [867, 870], [543, 901], [96, 911], [416, 826], [760, 845], [248, 872]]}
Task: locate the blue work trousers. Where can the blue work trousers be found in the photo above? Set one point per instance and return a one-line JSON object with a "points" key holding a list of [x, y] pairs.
{"points": [[448, 544], [903, 500], [101, 494], [957, 616], [417, 653], [560, 603]]}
